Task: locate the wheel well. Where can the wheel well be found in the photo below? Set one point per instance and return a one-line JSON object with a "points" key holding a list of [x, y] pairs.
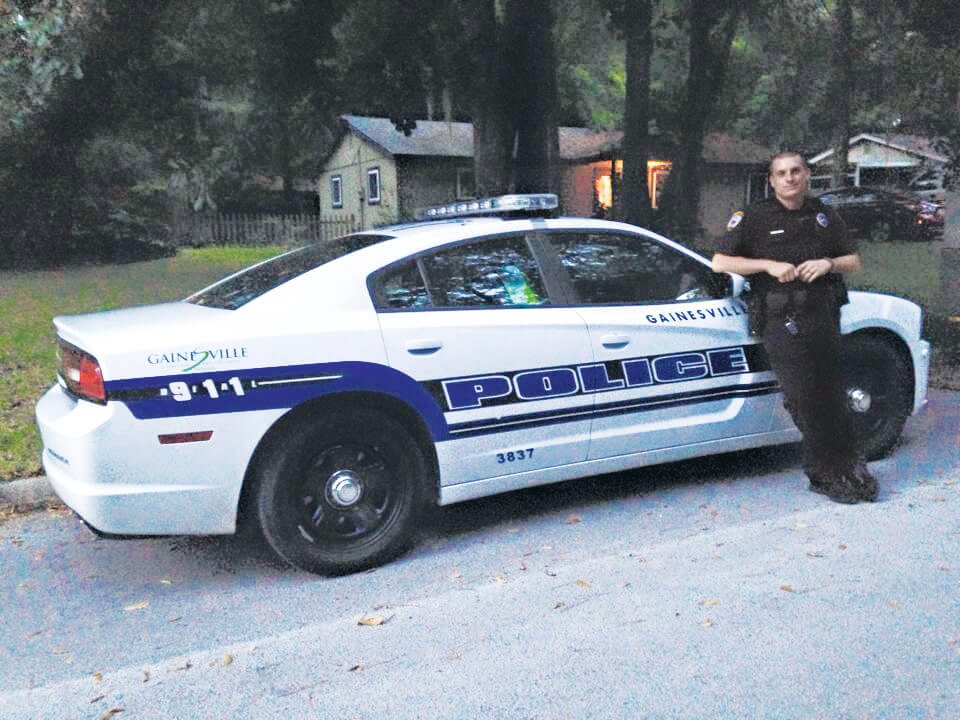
{"points": [[386, 404], [897, 343]]}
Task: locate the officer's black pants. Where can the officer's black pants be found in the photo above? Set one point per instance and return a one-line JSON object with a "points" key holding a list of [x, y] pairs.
{"points": [[807, 367]]}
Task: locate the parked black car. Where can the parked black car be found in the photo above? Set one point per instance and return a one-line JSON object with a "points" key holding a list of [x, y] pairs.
{"points": [[876, 214]]}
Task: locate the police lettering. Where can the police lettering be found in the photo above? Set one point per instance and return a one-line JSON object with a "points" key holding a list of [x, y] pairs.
{"points": [[527, 385]]}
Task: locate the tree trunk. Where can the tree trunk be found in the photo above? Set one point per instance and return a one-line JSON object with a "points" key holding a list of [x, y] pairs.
{"points": [[841, 85], [709, 55], [636, 194], [530, 32], [492, 127]]}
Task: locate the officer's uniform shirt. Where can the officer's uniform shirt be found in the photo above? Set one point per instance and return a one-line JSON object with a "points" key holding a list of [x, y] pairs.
{"points": [[771, 231]]}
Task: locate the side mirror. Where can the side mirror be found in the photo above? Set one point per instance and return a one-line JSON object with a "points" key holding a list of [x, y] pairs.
{"points": [[728, 284]]}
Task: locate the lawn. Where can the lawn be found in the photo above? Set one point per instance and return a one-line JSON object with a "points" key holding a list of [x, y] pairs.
{"points": [[28, 302]]}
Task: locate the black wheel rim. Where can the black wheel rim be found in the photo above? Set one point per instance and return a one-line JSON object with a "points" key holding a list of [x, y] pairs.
{"points": [[346, 496]]}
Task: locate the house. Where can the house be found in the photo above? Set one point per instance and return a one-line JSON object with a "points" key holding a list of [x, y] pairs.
{"points": [[381, 176], [881, 159]]}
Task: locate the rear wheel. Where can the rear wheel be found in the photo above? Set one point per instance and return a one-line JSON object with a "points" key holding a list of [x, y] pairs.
{"points": [[341, 492], [878, 383]]}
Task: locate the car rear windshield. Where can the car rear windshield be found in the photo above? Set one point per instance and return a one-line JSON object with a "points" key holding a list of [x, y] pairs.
{"points": [[238, 290]]}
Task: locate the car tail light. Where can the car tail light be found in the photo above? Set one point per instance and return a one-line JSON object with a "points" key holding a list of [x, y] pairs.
{"points": [[81, 373]]}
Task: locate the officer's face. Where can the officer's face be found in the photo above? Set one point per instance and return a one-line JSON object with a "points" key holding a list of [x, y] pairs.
{"points": [[788, 178]]}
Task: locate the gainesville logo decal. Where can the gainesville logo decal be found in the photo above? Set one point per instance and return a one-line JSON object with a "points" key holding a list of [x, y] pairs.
{"points": [[192, 359]]}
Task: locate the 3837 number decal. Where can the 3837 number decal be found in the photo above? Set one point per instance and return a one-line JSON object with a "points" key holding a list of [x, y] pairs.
{"points": [[515, 455]]}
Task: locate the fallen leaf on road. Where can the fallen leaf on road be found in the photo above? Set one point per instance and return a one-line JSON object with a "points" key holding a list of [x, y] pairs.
{"points": [[97, 699], [500, 578], [559, 605], [800, 526], [893, 605], [522, 565], [226, 659], [841, 546], [353, 668], [709, 602], [787, 588], [706, 623], [546, 547], [371, 620], [178, 618], [573, 519], [548, 571], [456, 575], [137, 606], [110, 713], [186, 666], [98, 677], [144, 676], [814, 553], [583, 583]]}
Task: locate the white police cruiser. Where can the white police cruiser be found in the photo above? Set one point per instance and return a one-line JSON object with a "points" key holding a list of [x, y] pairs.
{"points": [[325, 395]]}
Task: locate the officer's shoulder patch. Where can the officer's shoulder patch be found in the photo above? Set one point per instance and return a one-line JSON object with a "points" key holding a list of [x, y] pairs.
{"points": [[735, 219], [822, 219]]}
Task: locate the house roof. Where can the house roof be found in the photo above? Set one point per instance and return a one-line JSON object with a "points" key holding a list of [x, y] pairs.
{"points": [[913, 144], [433, 138]]}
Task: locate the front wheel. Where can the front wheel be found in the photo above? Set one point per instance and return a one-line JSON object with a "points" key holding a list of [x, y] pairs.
{"points": [[340, 492], [878, 384]]}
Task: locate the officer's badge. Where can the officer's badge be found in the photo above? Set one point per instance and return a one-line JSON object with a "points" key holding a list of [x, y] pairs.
{"points": [[822, 219], [735, 220]]}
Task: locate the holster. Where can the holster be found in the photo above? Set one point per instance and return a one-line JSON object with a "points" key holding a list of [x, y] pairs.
{"points": [[756, 311]]}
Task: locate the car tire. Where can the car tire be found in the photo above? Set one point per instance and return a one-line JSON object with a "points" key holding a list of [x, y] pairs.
{"points": [[878, 384], [341, 492], [880, 230]]}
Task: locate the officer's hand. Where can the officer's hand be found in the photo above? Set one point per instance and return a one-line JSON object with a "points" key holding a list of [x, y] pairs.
{"points": [[784, 272], [812, 269]]}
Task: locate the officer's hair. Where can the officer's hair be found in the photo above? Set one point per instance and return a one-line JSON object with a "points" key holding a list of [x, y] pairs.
{"points": [[786, 154]]}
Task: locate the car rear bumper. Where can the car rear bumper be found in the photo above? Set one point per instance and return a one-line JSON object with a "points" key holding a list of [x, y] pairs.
{"points": [[111, 469]]}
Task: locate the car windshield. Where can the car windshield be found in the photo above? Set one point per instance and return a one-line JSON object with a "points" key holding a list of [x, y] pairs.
{"points": [[239, 289]]}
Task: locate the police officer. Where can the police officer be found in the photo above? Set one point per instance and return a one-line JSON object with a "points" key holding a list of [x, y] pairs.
{"points": [[796, 249]]}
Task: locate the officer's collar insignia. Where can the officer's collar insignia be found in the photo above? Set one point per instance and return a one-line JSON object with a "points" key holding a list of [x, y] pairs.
{"points": [[822, 219], [735, 220]]}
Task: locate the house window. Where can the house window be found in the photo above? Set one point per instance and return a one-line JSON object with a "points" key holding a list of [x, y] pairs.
{"points": [[336, 191], [466, 184], [373, 186]]}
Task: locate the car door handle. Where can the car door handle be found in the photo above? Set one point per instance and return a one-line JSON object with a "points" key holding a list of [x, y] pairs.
{"points": [[615, 341], [423, 347]]}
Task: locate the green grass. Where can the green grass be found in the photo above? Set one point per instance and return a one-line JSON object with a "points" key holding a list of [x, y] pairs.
{"points": [[29, 301]]}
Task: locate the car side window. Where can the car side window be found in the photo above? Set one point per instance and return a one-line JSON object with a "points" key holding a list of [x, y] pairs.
{"points": [[494, 271], [401, 287], [614, 269]]}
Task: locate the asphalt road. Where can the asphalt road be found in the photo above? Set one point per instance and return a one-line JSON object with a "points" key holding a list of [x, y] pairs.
{"points": [[708, 589]]}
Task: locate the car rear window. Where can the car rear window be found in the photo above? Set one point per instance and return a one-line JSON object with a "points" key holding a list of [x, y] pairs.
{"points": [[238, 290]]}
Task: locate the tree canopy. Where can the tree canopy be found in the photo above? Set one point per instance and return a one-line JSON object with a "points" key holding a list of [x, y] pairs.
{"points": [[118, 115]]}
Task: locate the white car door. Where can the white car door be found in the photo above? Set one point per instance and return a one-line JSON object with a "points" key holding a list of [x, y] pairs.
{"points": [[474, 324], [674, 364]]}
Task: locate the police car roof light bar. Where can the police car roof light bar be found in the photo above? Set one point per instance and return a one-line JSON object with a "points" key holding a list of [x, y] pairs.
{"points": [[530, 203]]}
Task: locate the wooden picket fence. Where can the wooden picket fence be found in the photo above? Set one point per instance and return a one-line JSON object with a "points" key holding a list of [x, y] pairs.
{"points": [[200, 230]]}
